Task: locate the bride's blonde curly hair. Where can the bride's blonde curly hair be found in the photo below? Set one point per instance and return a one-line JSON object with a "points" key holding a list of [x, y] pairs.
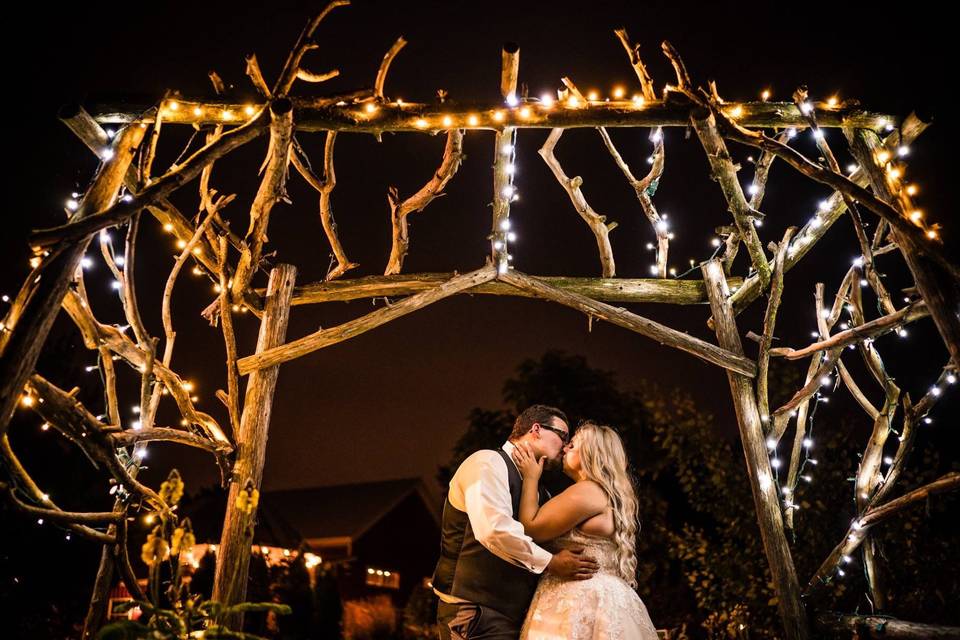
{"points": [[604, 460]]}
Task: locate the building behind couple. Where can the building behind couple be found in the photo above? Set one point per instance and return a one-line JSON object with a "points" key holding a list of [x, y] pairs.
{"points": [[493, 577]]}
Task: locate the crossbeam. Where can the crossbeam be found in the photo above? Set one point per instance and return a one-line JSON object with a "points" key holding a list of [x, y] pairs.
{"points": [[371, 116], [666, 291]]}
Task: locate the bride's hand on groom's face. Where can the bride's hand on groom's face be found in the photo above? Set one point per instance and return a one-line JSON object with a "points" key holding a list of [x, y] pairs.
{"points": [[531, 468]]}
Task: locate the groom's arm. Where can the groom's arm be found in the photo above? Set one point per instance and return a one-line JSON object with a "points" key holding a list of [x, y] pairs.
{"points": [[486, 494]]}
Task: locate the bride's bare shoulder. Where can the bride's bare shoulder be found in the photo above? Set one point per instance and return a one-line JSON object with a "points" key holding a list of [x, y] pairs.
{"points": [[588, 491]]}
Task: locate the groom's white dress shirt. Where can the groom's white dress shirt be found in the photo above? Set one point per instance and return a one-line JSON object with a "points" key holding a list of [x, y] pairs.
{"points": [[481, 488]]}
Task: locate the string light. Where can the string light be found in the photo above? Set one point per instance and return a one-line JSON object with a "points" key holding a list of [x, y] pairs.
{"points": [[370, 107], [498, 116], [45, 426], [512, 99], [472, 120], [832, 102], [72, 204], [852, 168], [792, 132], [928, 420], [808, 443], [197, 111], [420, 123], [638, 100], [618, 92], [912, 190], [903, 150], [771, 443], [765, 95], [447, 121], [573, 102], [951, 379]]}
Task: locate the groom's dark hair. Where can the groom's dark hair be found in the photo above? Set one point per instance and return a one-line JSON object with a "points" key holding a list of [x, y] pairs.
{"points": [[538, 413]]}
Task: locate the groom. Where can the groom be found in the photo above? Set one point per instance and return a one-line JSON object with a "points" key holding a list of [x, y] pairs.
{"points": [[488, 568]]}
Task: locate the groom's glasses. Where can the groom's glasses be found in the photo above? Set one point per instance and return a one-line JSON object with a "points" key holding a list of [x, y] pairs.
{"points": [[564, 435]]}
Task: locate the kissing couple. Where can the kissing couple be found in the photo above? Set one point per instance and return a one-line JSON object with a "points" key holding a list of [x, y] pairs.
{"points": [[517, 563]]}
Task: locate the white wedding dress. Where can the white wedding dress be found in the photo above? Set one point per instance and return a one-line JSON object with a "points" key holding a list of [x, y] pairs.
{"points": [[604, 607]]}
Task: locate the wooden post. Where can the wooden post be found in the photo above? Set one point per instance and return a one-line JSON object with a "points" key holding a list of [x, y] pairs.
{"points": [[39, 300], [765, 497], [503, 155], [233, 559]]}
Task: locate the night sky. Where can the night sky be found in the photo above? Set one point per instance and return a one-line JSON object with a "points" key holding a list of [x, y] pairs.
{"points": [[391, 403]]}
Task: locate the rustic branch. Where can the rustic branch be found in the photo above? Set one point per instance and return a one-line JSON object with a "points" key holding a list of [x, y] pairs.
{"points": [[596, 222], [769, 322], [327, 337], [325, 188], [272, 190], [623, 318], [385, 66], [304, 43], [857, 531], [38, 303], [872, 329], [877, 626], [399, 210], [643, 188], [813, 231], [156, 192]]}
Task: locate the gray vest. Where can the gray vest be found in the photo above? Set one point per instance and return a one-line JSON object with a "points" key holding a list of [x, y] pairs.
{"points": [[468, 570]]}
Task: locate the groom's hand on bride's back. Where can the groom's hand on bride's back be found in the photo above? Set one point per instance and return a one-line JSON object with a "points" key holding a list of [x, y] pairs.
{"points": [[572, 564]]}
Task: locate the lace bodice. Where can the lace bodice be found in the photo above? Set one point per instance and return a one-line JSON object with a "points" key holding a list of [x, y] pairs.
{"points": [[600, 548]]}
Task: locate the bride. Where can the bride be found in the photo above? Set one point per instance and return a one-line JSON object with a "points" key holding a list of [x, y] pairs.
{"points": [[597, 514]]}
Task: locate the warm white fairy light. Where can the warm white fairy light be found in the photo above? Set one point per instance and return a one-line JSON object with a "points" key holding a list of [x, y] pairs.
{"points": [[197, 111], [420, 123], [447, 121], [808, 443], [136, 425], [638, 100], [911, 190], [806, 478], [883, 157], [792, 132], [72, 204], [472, 120], [715, 242], [935, 390], [775, 463], [512, 99], [119, 261], [765, 95], [573, 102], [927, 420], [817, 133], [832, 101], [825, 381], [116, 284], [654, 269], [753, 189], [546, 100], [511, 237], [951, 379], [851, 168], [806, 108], [902, 332], [771, 443]]}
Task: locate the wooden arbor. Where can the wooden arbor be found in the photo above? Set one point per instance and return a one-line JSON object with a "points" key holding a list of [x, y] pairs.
{"points": [[126, 186]]}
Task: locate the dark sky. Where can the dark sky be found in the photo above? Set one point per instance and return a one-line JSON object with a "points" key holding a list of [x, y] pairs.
{"points": [[392, 402]]}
